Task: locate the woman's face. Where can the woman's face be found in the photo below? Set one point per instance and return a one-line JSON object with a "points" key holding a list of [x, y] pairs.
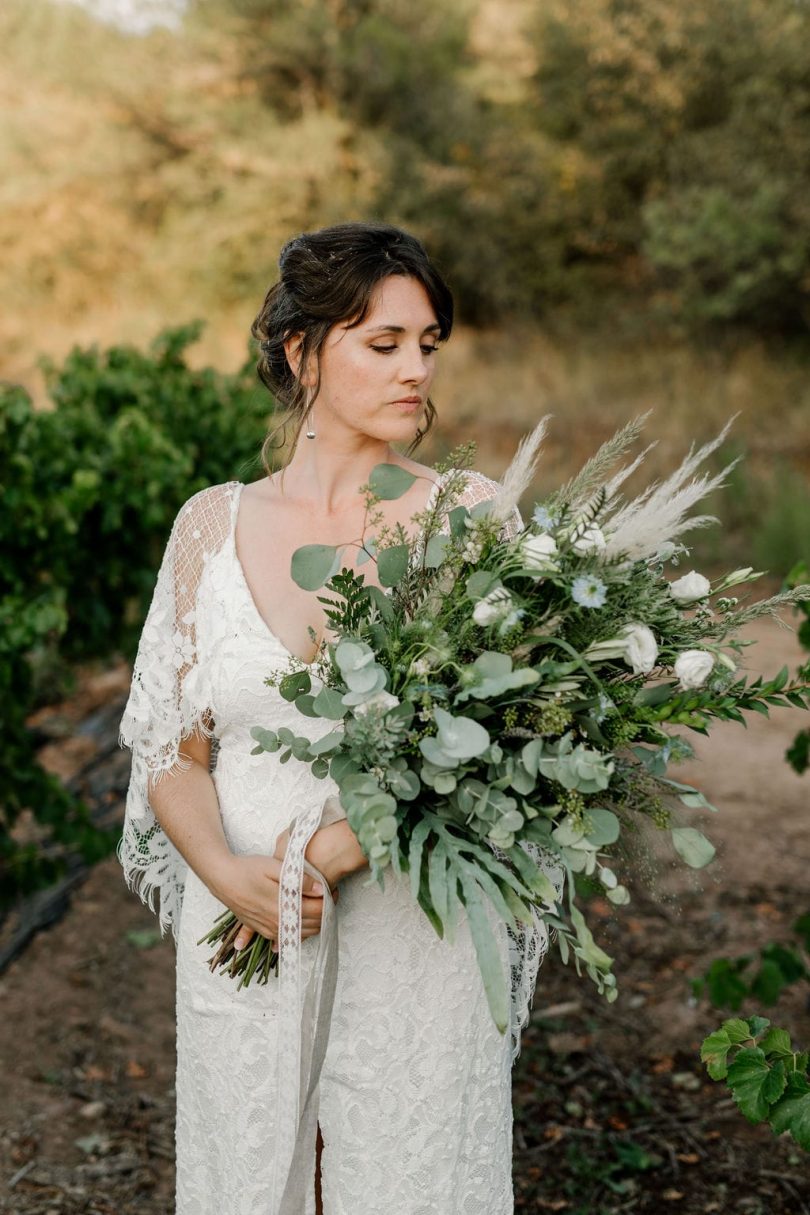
{"points": [[367, 369]]}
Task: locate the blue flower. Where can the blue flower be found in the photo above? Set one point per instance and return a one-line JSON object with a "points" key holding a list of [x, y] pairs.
{"points": [[544, 518], [588, 591]]}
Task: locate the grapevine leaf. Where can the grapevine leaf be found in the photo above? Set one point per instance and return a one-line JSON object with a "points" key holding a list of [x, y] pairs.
{"points": [[776, 1042], [757, 1025], [747, 1077], [714, 1049], [792, 1112], [775, 1082]]}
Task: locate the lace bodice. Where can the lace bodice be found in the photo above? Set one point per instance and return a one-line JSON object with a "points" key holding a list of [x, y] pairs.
{"points": [[202, 658]]}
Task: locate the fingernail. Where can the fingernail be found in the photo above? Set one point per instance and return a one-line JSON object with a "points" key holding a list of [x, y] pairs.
{"points": [[317, 888]]}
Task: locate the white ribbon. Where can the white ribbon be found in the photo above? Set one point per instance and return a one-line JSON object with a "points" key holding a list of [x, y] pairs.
{"points": [[304, 1017]]}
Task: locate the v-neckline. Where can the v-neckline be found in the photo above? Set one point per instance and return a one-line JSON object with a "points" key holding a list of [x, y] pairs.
{"points": [[251, 599]]}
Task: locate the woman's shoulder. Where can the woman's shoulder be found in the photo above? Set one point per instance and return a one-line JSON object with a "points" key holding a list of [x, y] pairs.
{"points": [[477, 486], [206, 516]]}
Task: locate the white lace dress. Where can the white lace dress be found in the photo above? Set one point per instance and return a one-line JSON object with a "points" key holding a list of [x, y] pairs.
{"points": [[415, 1091]]}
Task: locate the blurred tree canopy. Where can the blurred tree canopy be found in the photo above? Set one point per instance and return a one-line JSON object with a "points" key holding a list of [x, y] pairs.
{"points": [[692, 124], [563, 154], [655, 145]]}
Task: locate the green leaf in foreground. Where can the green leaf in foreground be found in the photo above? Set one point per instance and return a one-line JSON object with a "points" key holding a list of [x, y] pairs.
{"points": [[792, 1112], [692, 846], [715, 1048], [748, 1078]]}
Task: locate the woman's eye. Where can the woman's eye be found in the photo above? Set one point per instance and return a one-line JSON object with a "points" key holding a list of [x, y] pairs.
{"points": [[388, 349]]}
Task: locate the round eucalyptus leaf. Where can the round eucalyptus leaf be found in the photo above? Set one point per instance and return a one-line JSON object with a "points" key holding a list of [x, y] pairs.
{"points": [[692, 846], [436, 550], [389, 481], [392, 563], [294, 685], [328, 704], [618, 895], [605, 828], [314, 564], [480, 583]]}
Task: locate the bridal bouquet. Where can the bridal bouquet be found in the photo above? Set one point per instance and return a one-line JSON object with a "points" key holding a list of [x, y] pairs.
{"points": [[503, 705]]}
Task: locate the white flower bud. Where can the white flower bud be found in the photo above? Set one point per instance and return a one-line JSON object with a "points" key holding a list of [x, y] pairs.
{"points": [[494, 606], [641, 648], [690, 587], [693, 668], [380, 700], [591, 540], [538, 552]]}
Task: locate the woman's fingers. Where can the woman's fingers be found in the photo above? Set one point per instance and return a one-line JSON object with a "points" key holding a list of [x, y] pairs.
{"points": [[243, 937], [311, 916]]}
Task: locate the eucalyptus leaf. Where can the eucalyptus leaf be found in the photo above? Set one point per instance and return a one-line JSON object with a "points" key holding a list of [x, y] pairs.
{"points": [[480, 583], [326, 742], [314, 564], [392, 564], [436, 550], [619, 895], [588, 950], [328, 703], [389, 481], [692, 846], [605, 827]]}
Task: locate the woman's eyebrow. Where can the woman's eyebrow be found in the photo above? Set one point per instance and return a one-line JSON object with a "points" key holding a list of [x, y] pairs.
{"points": [[401, 328]]}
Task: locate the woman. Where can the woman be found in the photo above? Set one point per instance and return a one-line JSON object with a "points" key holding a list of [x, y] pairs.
{"points": [[415, 1095]]}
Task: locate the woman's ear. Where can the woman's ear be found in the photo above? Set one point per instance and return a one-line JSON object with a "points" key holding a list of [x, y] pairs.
{"points": [[292, 349]]}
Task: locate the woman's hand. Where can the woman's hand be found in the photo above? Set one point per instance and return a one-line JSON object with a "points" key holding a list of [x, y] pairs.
{"points": [[335, 852], [252, 895]]}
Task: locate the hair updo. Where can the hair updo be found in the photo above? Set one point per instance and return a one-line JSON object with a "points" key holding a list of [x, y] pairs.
{"points": [[327, 277]]}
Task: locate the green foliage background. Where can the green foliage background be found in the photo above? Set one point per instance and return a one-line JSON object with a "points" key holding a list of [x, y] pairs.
{"points": [[629, 176], [90, 488]]}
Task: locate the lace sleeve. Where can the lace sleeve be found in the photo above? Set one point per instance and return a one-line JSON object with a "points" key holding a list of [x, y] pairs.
{"points": [[528, 944], [479, 488], [168, 699]]}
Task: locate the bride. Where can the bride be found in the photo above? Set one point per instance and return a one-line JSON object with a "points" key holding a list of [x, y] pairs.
{"points": [[414, 1110]]}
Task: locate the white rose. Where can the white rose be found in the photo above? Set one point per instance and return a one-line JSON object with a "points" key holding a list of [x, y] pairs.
{"points": [[640, 648], [590, 541], [693, 668], [380, 700], [493, 607], [690, 587], [538, 552]]}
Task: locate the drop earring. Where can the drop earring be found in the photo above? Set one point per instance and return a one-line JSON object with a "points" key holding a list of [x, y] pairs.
{"points": [[310, 431]]}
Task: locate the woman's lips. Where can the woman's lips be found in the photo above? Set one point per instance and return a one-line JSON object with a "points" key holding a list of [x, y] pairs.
{"points": [[407, 406]]}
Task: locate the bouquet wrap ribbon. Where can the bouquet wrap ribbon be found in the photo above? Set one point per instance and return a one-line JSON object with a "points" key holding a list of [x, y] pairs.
{"points": [[305, 1015]]}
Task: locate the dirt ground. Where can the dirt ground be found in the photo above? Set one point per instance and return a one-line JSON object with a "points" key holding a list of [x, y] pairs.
{"points": [[613, 1110]]}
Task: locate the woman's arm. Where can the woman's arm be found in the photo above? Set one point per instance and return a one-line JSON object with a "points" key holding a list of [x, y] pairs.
{"points": [[186, 806]]}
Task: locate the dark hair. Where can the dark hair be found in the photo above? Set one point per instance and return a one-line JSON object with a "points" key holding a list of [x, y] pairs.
{"points": [[328, 276]]}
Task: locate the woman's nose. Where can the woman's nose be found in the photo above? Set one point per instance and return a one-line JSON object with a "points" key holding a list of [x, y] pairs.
{"points": [[415, 368]]}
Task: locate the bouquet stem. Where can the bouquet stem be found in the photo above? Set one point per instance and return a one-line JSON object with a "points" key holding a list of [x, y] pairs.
{"points": [[258, 956]]}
